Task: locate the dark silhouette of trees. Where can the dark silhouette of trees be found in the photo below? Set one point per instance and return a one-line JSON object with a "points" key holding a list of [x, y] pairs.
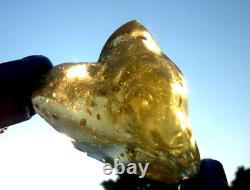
{"points": [[133, 182], [242, 180]]}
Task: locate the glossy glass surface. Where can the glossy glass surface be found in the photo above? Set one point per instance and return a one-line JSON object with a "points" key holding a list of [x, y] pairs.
{"points": [[130, 105]]}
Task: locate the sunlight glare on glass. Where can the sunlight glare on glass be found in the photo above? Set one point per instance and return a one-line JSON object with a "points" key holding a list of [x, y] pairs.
{"points": [[150, 43], [78, 71], [183, 119], [179, 89]]}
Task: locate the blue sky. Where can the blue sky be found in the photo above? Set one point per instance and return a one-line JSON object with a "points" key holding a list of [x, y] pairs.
{"points": [[209, 41]]}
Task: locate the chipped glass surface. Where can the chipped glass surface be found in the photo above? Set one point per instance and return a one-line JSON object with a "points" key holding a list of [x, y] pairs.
{"points": [[131, 105]]}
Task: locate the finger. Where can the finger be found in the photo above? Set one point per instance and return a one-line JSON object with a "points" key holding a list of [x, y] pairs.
{"points": [[18, 79], [212, 175]]}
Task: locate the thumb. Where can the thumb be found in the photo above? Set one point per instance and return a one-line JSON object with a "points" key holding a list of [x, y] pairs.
{"points": [[18, 80]]}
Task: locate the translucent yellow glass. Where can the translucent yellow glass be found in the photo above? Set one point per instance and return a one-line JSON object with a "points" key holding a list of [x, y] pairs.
{"points": [[131, 105]]}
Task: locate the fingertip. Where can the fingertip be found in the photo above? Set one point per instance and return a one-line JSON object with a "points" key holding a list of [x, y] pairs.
{"points": [[38, 62], [211, 164], [18, 80]]}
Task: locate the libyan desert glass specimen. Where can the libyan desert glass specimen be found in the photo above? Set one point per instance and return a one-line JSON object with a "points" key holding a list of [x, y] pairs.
{"points": [[131, 105]]}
